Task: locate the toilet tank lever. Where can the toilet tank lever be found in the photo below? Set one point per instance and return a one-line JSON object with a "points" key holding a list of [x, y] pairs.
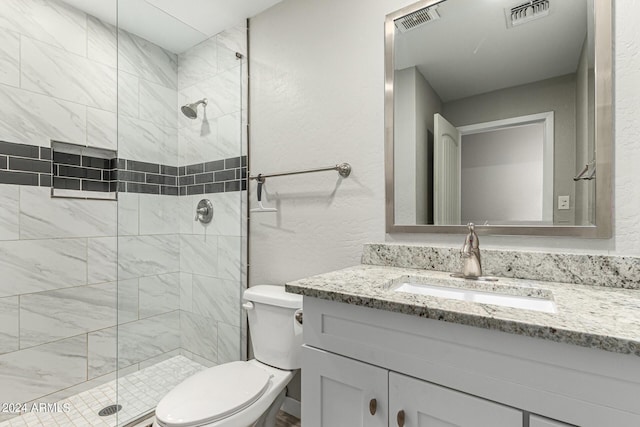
{"points": [[248, 305]]}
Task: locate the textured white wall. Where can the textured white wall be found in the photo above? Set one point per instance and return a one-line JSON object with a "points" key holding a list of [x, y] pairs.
{"points": [[317, 98]]}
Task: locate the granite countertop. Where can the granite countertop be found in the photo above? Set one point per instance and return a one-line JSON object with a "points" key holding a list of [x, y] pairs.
{"points": [[590, 316]]}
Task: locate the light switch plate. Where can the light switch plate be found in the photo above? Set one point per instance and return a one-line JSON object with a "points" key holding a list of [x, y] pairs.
{"points": [[563, 203]]}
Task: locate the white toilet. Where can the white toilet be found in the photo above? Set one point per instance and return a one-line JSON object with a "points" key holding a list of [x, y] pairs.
{"points": [[241, 394]]}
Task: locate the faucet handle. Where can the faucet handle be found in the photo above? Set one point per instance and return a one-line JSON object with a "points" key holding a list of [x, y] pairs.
{"points": [[471, 242]]}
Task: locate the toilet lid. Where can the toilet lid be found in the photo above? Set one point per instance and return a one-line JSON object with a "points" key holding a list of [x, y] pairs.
{"points": [[212, 394]]}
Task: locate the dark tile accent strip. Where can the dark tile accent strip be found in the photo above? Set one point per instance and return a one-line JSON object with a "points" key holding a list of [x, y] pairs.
{"points": [[227, 175], [45, 153], [195, 189], [232, 186], [194, 169], [66, 158], [29, 165], [45, 180], [204, 178], [169, 190], [24, 164], [95, 162], [18, 178], [21, 150], [79, 172], [233, 162], [66, 183], [187, 180], [216, 187], [214, 166], [102, 186], [168, 170], [143, 166], [161, 179], [130, 176], [133, 187]]}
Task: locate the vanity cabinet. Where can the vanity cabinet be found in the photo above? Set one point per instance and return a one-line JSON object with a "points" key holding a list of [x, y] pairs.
{"points": [[346, 392], [442, 374]]}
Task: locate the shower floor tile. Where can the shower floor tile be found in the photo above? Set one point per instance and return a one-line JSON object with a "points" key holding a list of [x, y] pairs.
{"points": [[138, 393]]}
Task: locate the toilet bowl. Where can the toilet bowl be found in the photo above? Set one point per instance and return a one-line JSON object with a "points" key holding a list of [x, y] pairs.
{"points": [[244, 393]]}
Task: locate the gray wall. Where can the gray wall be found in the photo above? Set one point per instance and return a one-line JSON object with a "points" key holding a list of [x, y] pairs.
{"points": [[501, 176], [558, 95]]}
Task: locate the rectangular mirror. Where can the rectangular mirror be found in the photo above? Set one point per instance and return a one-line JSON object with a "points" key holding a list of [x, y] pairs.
{"points": [[499, 112]]}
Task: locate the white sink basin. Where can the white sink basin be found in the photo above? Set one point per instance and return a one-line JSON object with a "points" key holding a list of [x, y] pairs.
{"points": [[494, 297]]}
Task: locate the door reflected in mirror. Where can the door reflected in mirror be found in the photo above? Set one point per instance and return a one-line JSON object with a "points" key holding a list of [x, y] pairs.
{"points": [[493, 113]]}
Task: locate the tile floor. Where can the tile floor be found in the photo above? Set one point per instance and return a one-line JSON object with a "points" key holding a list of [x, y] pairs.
{"points": [[286, 420], [138, 393]]}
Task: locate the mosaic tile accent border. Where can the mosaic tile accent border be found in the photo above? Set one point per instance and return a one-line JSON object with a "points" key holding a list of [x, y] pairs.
{"points": [[23, 164], [219, 176], [214, 177]]}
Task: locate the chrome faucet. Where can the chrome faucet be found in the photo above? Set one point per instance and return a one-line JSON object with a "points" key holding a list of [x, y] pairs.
{"points": [[471, 266]]}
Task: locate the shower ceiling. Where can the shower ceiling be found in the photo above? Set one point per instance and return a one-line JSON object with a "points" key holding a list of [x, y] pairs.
{"points": [[174, 25]]}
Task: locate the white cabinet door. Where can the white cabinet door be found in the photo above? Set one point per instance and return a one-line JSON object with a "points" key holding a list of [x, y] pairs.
{"points": [[339, 392], [536, 421], [428, 405]]}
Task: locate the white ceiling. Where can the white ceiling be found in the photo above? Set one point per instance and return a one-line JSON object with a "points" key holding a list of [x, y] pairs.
{"points": [[176, 25], [470, 50]]}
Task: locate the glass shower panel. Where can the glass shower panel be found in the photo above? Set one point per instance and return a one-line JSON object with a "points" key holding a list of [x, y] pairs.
{"points": [[58, 213], [179, 280]]}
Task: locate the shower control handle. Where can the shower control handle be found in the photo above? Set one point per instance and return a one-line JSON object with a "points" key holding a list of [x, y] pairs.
{"points": [[204, 211], [201, 211]]}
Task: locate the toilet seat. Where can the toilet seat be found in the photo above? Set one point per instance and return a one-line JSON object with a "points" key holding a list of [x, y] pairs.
{"points": [[212, 395]]}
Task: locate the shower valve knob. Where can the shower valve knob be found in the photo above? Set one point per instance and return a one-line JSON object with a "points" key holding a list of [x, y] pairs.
{"points": [[204, 211]]}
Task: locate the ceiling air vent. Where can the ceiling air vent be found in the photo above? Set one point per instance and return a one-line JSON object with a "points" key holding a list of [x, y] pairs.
{"points": [[416, 19], [526, 12]]}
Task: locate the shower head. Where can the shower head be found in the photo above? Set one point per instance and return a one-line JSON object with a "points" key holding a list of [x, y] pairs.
{"points": [[191, 110]]}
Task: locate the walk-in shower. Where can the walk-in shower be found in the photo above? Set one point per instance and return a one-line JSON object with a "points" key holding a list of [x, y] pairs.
{"points": [[191, 110], [107, 303]]}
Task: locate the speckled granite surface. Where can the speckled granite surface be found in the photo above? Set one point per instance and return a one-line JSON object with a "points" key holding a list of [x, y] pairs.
{"points": [[590, 316], [599, 270]]}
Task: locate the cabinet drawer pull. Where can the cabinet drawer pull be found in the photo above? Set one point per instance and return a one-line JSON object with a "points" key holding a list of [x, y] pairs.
{"points": [[373, 406], [400, 418]]}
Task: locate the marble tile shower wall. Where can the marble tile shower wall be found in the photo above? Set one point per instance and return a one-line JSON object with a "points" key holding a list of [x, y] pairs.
{"points": [[57, 256], [211, 280], [63, 76]]}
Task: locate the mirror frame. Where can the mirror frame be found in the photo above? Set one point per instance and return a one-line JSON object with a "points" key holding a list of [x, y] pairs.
{"points": [[603, 69]]}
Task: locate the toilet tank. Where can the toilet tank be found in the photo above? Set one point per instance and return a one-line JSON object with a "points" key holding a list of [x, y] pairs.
{"points": [[275, 334]]}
